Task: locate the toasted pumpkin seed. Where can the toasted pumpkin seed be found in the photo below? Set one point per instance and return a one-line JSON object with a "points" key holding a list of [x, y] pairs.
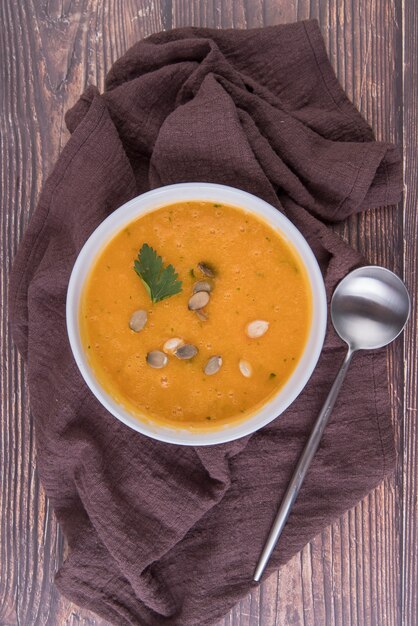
{"points": [[138, 320], [245, 368], [206, 269], [202, 285], [171, 345], [257, 328], [157, 359], [188, 351], [198, 300], [213, 365]]}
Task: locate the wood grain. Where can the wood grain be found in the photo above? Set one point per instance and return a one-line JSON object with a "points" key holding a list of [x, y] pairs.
{"points": [[362, 570], [409, 496]]}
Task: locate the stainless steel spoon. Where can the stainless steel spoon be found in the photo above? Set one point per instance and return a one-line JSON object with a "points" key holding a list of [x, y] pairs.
{"points": [[369, 309]]}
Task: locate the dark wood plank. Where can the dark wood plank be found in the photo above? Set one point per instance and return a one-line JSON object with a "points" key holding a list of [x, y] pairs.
{"points": [[349, 574], [409, 563]]}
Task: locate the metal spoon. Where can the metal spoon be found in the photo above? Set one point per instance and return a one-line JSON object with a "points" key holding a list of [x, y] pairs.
{"points": [[369, 309]]}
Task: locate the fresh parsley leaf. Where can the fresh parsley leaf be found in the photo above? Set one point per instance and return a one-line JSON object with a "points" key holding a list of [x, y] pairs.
{"points": [[159, 281]]}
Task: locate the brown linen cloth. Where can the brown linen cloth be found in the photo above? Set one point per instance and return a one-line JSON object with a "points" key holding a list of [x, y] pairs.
{"points": [[160, 534]]}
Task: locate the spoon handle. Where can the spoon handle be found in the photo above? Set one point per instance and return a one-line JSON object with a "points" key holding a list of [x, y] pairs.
{"points": [[302, 468]]}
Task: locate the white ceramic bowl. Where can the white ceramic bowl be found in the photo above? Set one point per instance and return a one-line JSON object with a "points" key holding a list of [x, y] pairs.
{"points": [[213, 193]]}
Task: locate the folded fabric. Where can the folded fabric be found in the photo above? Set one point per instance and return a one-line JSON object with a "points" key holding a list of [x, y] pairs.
{"points": [[166, 535]]}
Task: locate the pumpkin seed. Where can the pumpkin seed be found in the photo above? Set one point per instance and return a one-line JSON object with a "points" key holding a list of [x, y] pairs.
{"points": [[202, 285], [198, 300], [188, 351], [206, 269], [245, 368], [138, 320], [157, 359], [213, 365], [171, 345], [256, 329]]}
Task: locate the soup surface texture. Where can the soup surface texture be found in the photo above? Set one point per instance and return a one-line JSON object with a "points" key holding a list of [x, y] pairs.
{"points": [[258, 276]]}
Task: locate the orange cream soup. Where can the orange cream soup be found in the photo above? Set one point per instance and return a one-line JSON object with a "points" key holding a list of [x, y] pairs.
{"points": [[258, 277]]}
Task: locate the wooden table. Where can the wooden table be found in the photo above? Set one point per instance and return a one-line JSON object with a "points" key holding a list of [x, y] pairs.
{"points": [[364, 569]]}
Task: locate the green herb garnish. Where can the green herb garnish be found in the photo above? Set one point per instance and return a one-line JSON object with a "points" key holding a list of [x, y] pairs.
{"points": [[159, 281]]}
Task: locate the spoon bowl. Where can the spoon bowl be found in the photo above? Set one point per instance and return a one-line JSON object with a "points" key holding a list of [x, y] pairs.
{"points": [[369, 308]]}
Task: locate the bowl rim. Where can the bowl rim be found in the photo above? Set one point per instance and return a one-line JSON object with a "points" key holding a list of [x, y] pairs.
{"points": [[183, 192]]}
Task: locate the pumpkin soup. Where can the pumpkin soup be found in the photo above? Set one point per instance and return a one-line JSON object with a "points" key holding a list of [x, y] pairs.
{"points": [[195, 315]]}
